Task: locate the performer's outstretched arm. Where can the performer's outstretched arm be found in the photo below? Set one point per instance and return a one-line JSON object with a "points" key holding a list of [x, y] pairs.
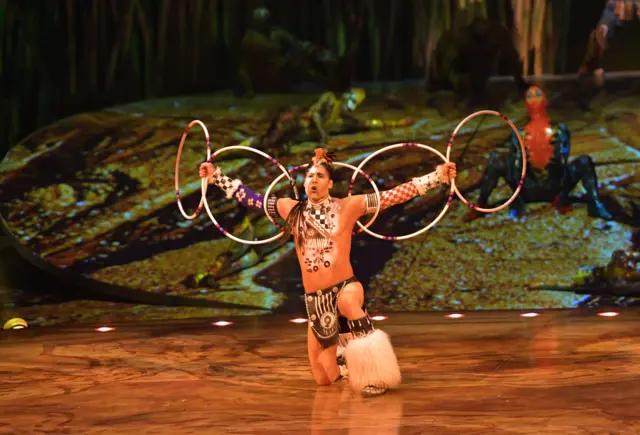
{"points": [[368, 203], [276, 207]]}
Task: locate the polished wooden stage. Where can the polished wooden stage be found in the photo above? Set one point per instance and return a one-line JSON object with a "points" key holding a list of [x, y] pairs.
{"points": [[563, 372]]}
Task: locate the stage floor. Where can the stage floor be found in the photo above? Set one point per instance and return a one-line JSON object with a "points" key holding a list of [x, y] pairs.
{"points": [[563, 372]]}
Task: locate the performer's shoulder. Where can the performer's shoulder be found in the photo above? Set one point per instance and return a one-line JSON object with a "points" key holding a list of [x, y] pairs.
{"points": [[352, 205]]}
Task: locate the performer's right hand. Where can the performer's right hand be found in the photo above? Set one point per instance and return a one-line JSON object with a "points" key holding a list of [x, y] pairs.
{"points": [[206, 170]]}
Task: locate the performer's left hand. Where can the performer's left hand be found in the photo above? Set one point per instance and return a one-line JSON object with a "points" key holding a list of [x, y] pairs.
{"points": [[447, 172]]}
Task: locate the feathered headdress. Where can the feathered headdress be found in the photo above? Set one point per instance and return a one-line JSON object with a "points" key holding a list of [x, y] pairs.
{"points": [[323, 156]]}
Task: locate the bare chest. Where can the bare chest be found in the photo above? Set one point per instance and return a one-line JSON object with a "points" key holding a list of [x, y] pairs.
{"points": [[322, 231]]}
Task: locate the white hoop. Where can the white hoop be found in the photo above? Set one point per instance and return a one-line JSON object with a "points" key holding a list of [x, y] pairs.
{"points": [[343, 165], [522, 149], [437, 219], [177, 173], [206, 204]]}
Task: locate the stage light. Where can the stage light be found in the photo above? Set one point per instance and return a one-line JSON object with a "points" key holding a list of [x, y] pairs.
{"points": [[105, 329], [379, 318], [298, 320], [222, 323], [529, 315], [454, 315], [608, 314], [16, 323]]}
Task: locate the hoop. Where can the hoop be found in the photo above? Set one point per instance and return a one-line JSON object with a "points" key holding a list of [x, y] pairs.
{"points": [[435, 221], [177, 173], [206, 204], [343, 165], [522, 149]]}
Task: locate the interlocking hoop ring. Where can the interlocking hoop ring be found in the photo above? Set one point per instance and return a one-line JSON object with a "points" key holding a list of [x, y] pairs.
{"points": [[435, 221], [177, 173], [522, 149], [343, 165], [206, 204]]}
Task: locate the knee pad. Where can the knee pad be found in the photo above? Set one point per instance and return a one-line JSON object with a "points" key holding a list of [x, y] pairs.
{"points": [[361, 327]]}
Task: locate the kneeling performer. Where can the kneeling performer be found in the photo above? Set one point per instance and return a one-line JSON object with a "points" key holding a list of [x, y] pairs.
{"points": [[322, 228]]}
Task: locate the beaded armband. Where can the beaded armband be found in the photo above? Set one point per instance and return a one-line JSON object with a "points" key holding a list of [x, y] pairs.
{"points": [[272, 207], [371, 203]]}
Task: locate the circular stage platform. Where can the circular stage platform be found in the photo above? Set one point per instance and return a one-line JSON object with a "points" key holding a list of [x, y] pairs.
{"points": [[563, 372]]}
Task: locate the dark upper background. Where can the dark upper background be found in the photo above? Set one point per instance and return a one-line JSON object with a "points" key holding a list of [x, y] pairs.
{"points": [[58, 58]]}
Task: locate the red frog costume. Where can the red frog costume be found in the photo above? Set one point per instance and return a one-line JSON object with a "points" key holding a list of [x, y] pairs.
{"points": [[550, 176], [538, 132]]}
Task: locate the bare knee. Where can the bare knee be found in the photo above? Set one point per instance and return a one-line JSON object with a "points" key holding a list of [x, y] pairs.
{"points": [[320, 375], [323, 382], [320, 360]]}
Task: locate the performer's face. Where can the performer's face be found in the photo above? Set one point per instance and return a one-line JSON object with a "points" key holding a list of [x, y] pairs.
{"points": [[317, 183]]}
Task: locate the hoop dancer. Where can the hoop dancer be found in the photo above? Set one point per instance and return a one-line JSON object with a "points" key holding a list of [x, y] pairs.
{"points": [[322, 230]]}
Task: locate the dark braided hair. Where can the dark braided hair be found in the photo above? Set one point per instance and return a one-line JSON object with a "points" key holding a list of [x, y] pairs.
{"points": [[296, 216]]}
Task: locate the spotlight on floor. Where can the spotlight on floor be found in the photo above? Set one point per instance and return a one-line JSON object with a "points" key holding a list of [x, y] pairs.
{"points": [[608, 314], [529, 315], [16, 323], [379, 318], [454, 315], [222, 323], [105, 329], [298, 320]]}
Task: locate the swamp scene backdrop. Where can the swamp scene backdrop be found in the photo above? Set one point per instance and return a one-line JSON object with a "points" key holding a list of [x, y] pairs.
{"points": [[97, 94]]}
